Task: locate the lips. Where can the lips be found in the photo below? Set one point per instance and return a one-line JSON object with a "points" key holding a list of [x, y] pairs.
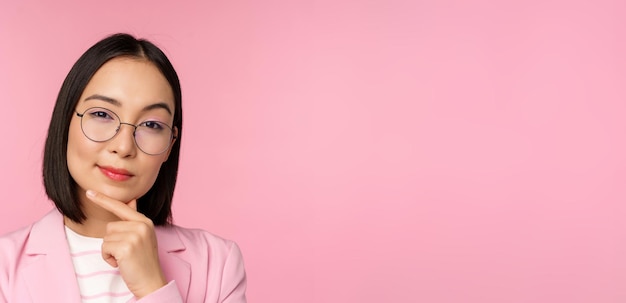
{"points": [[116, 174]]}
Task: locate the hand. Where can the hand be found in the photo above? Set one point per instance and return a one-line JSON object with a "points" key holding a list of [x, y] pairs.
{"points": [[131, 245]]}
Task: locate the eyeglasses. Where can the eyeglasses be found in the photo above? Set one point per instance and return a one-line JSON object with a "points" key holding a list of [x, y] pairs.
{"points": [[100, 125]]}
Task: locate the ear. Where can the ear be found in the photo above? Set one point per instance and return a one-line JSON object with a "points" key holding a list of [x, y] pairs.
{"points": [[169, 150]]}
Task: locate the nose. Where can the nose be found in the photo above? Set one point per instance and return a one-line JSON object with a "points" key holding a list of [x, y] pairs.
{"points": [[123, 143]]}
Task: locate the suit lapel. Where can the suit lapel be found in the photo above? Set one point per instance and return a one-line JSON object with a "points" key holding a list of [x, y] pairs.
{"points": [[174, 267], [50, 275]]}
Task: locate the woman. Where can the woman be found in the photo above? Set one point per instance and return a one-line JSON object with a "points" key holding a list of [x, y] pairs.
{"points": [[110, 166]]}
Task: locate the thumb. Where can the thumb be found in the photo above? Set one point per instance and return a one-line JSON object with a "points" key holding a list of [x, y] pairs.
{"points": [[110, 259]]}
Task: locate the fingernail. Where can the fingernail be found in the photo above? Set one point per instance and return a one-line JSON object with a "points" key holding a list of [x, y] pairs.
{"points": [[90, 193]]}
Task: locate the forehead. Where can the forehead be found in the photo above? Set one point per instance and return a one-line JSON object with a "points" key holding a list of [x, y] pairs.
{"points": [[133, 82]]}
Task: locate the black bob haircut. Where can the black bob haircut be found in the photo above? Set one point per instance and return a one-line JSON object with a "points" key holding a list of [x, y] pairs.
{"points": [[60, 186]]}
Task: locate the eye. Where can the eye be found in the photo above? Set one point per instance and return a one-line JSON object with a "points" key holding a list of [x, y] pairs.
{"points": [[101, 114], [153, 125]]}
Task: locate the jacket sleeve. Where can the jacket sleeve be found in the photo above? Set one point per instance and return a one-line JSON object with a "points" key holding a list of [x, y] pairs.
{"points": [[2, 298], [166, 294], [234, 280]]}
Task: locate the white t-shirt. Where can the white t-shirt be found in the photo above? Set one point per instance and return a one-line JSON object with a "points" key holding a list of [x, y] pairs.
{"points": [[97, 280]]}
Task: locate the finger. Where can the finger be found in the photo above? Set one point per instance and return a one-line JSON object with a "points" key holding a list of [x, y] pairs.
{"points": [[110, 260], [136, 227], [115, 252], [131, 240], [122, 236], [120, 209], [108, 257]]}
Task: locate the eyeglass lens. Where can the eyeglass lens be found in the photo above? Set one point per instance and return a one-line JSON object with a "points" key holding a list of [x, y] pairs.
{"points": [[100, 124]]}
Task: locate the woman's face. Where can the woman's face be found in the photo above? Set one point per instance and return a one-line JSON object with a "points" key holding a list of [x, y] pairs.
{"points": [[136, 91]]}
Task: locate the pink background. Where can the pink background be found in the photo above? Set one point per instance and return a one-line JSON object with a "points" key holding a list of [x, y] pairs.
{"points": [[369, 151]]}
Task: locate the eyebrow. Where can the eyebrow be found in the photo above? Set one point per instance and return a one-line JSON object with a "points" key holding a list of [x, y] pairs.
{"points": [[112, 101]]}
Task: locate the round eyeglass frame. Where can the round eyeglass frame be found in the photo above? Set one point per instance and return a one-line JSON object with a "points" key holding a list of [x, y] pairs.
{"points": [[119, 126]]}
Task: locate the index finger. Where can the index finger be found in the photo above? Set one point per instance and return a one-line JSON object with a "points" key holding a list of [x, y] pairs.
{"points": [[118, 208]]}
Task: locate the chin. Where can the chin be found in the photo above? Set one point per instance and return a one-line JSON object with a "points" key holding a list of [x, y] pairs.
{"points": [[120, 195]]}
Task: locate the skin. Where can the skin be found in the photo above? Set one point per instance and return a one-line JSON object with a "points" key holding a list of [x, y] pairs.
{"points": [[136, 91]]}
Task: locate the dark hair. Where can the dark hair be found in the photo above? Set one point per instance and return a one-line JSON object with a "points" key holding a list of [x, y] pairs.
{"points": [[60, 186]]}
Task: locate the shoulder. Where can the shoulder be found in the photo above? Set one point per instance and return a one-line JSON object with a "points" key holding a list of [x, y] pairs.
{"points": [[214, 264], [217, 262], [191, 235], [13, 243], [32, 239], [196, 242], [12, 250], [213, 258]]}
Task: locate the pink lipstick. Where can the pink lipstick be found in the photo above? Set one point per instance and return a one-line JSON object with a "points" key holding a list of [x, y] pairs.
{"points": [[116, 174]]}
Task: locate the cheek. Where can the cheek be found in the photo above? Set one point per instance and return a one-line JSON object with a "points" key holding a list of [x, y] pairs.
{"points": [[149, 173], [152, 169]]}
